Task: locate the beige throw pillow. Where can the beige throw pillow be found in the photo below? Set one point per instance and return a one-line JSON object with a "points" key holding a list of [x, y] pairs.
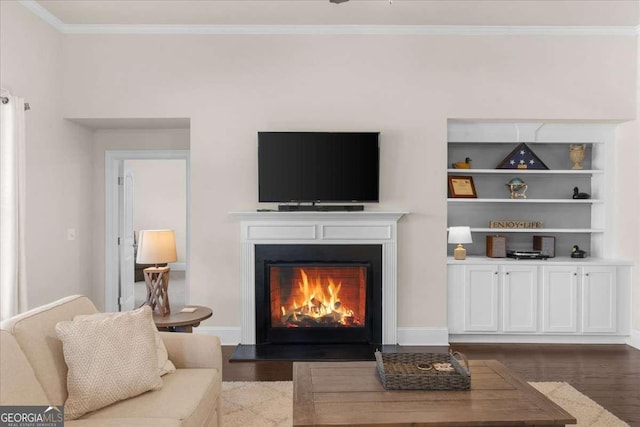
{"points": [[109, 360], [165, 366]]}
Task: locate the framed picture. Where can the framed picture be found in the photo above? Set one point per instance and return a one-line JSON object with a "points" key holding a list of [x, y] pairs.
{"points": [[461, 187]]}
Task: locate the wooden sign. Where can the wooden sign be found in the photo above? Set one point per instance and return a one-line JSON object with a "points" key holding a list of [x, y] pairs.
{"points": [[506, 223]]}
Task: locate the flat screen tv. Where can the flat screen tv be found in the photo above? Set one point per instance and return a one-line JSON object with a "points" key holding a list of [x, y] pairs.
{"points": [[318, 166]]}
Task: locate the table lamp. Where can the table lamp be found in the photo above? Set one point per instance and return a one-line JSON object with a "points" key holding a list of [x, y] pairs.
{"points": [[460, 235], [157, 247]]}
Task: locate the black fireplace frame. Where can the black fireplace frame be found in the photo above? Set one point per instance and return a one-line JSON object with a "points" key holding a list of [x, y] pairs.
{"points": [[319, 255]]}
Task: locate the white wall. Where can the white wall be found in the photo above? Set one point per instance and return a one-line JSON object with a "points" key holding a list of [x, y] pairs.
{"points": [[160, 198], [59, 161], [628, 188]]}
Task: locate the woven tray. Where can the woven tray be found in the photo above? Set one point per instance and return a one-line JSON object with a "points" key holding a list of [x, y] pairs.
{"points": [[401, 371]]}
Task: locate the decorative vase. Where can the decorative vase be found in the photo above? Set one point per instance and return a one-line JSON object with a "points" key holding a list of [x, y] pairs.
{"points": [[576, 155]]}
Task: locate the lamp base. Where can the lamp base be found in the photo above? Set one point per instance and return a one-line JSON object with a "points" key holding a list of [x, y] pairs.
{"points": [[157, 281], [459, 252]]}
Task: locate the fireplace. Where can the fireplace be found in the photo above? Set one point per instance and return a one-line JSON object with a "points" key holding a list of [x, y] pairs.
{"points": [[321, 294], [318, 229]]}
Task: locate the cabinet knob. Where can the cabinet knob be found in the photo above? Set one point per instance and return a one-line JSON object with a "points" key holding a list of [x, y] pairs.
{"points": [[507, 273], [587, 274], [495, 272], [575, 274]]}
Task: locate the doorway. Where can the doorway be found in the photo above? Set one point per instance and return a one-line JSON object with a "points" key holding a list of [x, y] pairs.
{"points": [[144, 190]]}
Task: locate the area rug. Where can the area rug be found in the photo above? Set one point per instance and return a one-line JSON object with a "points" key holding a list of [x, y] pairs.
{"points": [[270, 404], [585, 410]]}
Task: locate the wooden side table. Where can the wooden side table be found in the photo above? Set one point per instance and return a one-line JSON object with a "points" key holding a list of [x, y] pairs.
{"points": [[178, 321]]}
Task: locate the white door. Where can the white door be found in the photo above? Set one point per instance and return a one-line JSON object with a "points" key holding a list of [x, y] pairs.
{"points": [[520, 298], [127, 240], [599, 299], [559, 298], [481, 298]]}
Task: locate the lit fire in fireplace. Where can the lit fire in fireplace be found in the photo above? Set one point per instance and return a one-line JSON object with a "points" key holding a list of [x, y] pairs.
{"points": [[318, 304]]}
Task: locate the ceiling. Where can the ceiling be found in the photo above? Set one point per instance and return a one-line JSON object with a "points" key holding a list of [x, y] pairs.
{"points": [[355, 12]]}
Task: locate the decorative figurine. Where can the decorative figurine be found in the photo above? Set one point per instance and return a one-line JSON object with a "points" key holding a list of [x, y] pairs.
{"points": [[576, 155], [577, 195], [462, 165], [576, 252], [517, 187]]}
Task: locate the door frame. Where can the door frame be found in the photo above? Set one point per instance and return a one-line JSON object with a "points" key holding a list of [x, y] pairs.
{"points": [[112, 263]]}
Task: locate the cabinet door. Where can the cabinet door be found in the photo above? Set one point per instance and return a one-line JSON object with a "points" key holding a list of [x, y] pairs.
{"points": [[481, 298], [520, 298], [559, 299], [598, 299]]}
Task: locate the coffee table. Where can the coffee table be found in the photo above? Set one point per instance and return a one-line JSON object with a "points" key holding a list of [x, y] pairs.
{"points": [[351, 394]]}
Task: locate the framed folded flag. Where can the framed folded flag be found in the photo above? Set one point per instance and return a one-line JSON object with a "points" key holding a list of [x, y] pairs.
{"points": [[522, 157]]}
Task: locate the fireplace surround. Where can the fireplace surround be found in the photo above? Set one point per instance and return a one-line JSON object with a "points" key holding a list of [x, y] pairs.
{"points": [[319, 228]]}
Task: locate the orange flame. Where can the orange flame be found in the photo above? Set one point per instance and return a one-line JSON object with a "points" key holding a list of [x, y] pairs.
{"points": [[320, 300]]}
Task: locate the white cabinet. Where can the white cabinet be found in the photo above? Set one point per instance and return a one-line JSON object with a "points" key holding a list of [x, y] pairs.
{"points": [[485, 286], [481, 298], [599, 299], [537, 301], [592, 288], [519, 298], [560, 299]]}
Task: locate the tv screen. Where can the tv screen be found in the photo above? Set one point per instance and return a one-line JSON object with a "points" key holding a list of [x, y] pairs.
{"points": [[318, 166]]}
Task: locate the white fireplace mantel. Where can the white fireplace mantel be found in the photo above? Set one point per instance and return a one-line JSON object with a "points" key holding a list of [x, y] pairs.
{"points": [[352, 228]]}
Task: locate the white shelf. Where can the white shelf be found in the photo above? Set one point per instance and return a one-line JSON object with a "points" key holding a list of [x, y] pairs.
{"points": [[526, 201], [480, 259], [536, 230], [525, 171]]}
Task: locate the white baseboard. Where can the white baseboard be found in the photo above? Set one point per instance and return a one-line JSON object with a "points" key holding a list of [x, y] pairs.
{"points": [[538, 339], [634, 339], [423, 336], [229, 335]]}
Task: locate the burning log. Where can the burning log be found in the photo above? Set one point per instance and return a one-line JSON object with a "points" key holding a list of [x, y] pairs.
{"points": [[298, 318], [329, 319], [350, 321], [317, 306]]}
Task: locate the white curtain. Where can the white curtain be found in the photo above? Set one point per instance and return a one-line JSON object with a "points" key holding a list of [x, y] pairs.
{"points": [[13, 285]]}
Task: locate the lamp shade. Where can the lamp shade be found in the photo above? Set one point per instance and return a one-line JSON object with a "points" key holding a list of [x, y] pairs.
{"points": [[156, 247], [460, 235]]}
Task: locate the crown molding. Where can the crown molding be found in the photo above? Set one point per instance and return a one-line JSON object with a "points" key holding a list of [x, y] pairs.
{"points": [[461, 30], [43, 14]]}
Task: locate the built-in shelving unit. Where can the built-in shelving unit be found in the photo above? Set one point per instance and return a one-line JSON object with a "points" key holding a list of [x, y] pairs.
{"points": [[561, 299], [582, 222]]}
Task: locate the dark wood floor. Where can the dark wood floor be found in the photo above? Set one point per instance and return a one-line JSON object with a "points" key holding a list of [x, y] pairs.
{"points": [[608, 374]]}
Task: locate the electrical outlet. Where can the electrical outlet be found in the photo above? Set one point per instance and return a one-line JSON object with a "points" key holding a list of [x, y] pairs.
{"points": [[71, 234]]}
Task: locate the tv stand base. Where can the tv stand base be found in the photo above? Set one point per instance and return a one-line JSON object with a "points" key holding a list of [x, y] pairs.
{"points": [[320, 208]]}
